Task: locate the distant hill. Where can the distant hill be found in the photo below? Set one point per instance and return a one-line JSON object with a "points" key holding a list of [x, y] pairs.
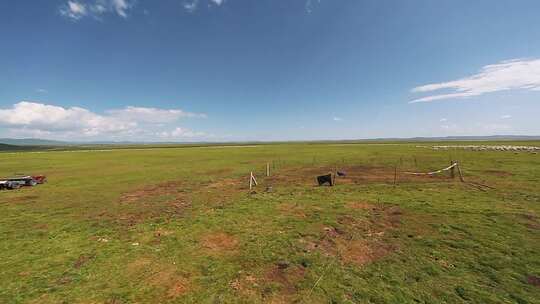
{"points": [[462, 138], [4, 147], [47, 144], [32, 142]]}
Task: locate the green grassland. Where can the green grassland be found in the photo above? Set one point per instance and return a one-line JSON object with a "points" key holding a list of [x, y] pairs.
{"points": [[179, 225]]}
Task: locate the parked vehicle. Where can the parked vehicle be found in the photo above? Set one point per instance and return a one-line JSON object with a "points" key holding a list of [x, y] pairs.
{"points": [[11, 183]]}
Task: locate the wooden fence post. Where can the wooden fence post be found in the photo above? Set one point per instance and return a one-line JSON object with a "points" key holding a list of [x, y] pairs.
{"points": [[252, 180]]}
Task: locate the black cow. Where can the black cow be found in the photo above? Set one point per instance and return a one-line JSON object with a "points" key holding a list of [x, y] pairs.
{"points": [[323, 179]]}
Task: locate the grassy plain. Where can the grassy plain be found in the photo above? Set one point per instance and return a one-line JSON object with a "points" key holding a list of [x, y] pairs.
{"points": [[178, 225]]}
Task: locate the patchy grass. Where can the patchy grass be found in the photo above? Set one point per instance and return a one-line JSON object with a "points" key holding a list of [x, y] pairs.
{"points": [[179, 225]]}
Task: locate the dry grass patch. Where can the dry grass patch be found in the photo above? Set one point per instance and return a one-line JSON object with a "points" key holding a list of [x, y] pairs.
{"points": [[218, 243], [165, 278], [358, 241]]}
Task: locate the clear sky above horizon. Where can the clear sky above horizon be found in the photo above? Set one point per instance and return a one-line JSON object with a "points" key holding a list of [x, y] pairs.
{"points": [[235, 70]]}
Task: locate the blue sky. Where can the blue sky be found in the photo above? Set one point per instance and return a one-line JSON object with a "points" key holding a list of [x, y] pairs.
{"points": [[230, 70]]}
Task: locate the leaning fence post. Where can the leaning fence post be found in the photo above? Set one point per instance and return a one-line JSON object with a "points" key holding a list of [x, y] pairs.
{"points": [[252, 180]]}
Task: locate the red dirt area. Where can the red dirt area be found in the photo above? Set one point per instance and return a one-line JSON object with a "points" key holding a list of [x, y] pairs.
{"points": [[358, 241], [219, 243], [286, 277], [282, 276], [166, 188], [160, 276], [165, 200]]}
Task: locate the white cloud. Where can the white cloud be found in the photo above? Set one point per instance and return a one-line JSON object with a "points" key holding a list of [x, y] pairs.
{"points": [[75, 10], [310, 4], [506, 116], [337, 119], [180, 133], [217, 2], [443, 119], [191, 6], [121, 7], [506, 75], [43, 91], [152, 115], [74, 122]]}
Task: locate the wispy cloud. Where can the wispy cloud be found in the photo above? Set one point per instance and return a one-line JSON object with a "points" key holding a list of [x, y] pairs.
{"points": [[443, 119], [506, 116], [192, 5], [76, 122], [337, 118], [506, 75], [76, 10], [42, 91], [218, 2], [310, 4]]}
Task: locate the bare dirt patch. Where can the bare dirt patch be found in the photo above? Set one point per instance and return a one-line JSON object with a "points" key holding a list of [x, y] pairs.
{"points": [[499, 173], [282, 278], [246, 285], [287, 279], [173, 284], [361, 205], [83, 260], [531, 220], [166, 188], [163, 277], [165, 200], [533, 280], [219, 243], [358, 241], [293, 210]]}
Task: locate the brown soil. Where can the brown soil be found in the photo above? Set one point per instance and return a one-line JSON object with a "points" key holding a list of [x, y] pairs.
{"points": [[167, 188], [361, 205], [160, 276], [173, 284], [287, 277], [219, 243], [293, 210], [284, 277], [531, 220], [165, 200], [82, 260], [246, 285], [358, 241], [533, 280], [499, 173]]}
